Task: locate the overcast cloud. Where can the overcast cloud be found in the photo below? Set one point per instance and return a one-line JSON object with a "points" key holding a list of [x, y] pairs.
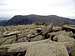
{"points": [[65, 8]]}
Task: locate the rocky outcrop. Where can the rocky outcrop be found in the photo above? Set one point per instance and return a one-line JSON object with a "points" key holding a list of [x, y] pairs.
{"points": [[38, 40]]}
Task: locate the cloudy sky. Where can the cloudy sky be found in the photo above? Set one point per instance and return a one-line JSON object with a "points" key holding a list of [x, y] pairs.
{"points": [[65, 8]]}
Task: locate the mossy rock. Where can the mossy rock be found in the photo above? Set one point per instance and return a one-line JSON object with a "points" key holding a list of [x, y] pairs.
{"points": [[37, 38], [47, 49]]}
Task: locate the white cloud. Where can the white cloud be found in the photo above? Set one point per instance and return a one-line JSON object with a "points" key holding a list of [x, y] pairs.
{"points": [[42, 7]]}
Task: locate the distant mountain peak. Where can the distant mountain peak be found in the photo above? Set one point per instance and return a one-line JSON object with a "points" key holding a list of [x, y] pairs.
{"points": [[33, 18]]}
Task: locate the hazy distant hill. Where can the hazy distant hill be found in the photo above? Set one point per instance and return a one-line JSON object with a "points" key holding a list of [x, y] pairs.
{"points": [[73, 21], [29, 19], [3, 22]]}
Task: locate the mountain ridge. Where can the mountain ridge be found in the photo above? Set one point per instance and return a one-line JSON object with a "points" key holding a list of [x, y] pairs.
{"points": [[30, 19]]}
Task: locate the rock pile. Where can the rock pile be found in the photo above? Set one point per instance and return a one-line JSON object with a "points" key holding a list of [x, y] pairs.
{"points": [[38, 40]]}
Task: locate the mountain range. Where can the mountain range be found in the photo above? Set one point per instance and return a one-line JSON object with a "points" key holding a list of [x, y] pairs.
{"points": [[30, 19]]}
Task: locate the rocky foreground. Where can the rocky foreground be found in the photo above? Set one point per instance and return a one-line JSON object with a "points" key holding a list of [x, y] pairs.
{"points": [[37, 40]]}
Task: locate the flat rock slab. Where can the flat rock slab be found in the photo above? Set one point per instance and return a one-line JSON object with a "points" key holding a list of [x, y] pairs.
{"points": [[46, 49]]}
